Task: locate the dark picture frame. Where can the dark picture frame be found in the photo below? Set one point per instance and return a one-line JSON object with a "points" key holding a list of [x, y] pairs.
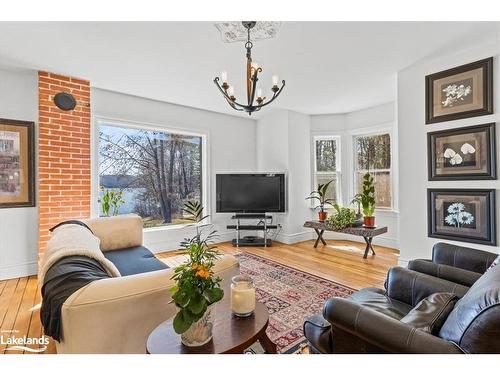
{"points": [[454, 99], [467, 153], [17, 156], [466, 215]]}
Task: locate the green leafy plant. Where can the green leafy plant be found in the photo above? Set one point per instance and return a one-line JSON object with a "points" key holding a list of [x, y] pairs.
{"points": [[196, 287], [320, 196], [367, 196], [111, 200], [343, 218]]}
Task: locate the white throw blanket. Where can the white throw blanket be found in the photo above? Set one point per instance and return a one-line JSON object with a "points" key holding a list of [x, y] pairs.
{"points": [[70, 240]]}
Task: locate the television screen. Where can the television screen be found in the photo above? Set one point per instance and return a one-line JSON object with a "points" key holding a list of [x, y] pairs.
{"points": [[249, 193]]}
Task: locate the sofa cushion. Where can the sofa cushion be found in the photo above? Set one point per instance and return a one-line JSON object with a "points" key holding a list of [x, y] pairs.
{"points": [[430, 314], [376, 299], [134, 260], [474, 323]]}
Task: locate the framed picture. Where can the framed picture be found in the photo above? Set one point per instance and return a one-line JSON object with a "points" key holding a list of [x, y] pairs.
{"points": [[461, 92], [462, 154], [17, 164], [466, 215]]}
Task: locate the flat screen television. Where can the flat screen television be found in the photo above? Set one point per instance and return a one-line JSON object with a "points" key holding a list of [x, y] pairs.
{"points": [[250, 193]]}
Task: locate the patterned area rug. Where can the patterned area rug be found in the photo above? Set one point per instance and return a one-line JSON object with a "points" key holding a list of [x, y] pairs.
{"points": [[290, 296]]}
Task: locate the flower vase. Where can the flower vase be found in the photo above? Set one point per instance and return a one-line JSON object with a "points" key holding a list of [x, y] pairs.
{"points": [[200, 331]]}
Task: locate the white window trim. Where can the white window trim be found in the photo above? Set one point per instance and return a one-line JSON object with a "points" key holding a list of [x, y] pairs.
{"points": [[366, 132], [338, 156], [94, 161]]}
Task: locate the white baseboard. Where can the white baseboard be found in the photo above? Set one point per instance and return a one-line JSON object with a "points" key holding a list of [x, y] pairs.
{"points": [[294, 237], [403, 263], [18, 270]]}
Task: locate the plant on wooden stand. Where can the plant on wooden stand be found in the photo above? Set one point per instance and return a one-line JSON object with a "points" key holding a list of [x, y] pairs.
{"points": [[344, 217], [367, 199], [197, 289], [320, 195]]}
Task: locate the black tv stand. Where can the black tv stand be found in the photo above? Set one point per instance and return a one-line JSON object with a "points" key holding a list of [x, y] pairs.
{"points": [[252, 240]]}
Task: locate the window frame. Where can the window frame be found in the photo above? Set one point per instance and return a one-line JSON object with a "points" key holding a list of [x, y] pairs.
{"points": [[355, 170], [338, 166], [144, 125]]}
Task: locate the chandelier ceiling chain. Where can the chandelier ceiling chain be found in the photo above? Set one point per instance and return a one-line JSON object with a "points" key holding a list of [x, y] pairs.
{"points": [[254, 103]]}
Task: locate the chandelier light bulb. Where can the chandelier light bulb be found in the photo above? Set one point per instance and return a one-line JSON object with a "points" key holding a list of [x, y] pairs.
{"points": [[275, 80], [223, 77], [230, 91], [259, 93]]}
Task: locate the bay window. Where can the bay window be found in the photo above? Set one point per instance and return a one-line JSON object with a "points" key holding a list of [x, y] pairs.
{"points": [[327, 164], [372, 153]]}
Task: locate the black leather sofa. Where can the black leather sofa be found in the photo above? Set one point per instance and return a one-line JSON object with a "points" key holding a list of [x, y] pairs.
{"points": [[462, 265], [370, 320]]}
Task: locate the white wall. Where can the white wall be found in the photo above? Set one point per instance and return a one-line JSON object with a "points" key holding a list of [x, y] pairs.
{"points": [[231, 140], [282, 146], [18, 226], [413, 147], [346, 126]]}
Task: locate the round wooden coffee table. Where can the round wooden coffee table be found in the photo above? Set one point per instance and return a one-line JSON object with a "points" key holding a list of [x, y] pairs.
{"points": [[231, 334]]}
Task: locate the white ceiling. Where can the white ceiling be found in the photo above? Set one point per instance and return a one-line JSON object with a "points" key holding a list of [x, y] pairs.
{"points": [[329, 67]]}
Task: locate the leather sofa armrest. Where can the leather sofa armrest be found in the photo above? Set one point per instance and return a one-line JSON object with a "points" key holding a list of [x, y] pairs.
{"points": [[382, 331], [443, 271], [462, 257], [318, 332], [411, 287]]}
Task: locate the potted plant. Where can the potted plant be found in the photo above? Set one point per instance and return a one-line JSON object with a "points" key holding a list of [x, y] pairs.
{"points": [[196, 290], [320, 195], [359, 216], [344, 217], [367, 200]]}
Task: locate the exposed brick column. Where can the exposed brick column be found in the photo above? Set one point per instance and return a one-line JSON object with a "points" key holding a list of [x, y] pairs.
{"points": [[64, 153]]}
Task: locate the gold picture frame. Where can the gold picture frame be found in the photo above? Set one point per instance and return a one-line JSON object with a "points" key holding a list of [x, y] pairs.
{"points": [[17, 163]]}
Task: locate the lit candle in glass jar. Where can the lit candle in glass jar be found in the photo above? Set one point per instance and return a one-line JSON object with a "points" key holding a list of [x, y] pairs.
{"points": [[242, 295]]}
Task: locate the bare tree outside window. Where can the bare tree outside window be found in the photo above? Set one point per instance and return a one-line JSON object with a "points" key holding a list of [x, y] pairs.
{"points": [[157, 171], [326, 165], [373, 154]]}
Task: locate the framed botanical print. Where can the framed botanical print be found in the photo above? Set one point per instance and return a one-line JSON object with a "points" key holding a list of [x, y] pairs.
{"points": [[462, 154], [461, 92], [17, 163], [466, 215]]}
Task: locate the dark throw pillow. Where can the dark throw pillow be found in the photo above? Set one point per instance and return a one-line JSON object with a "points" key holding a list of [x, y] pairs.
{"points": [[430, 314]]}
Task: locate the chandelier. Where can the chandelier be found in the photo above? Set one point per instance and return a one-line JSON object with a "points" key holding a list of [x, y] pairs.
{"points": [[255, 98]]}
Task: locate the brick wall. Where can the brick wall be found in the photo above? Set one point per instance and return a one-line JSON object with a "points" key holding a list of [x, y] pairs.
{"points": [[64, 153]]}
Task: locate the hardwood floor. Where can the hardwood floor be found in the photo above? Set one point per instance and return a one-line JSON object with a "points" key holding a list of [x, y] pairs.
{"points": [[339, 261]]}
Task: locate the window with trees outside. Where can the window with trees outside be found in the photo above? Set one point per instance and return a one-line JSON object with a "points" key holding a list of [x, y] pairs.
{"points": [[327, 165], [155, 172], [373, 154]]}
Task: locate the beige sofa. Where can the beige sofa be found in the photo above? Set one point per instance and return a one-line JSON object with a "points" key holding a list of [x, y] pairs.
{"points": [[117, 314]]}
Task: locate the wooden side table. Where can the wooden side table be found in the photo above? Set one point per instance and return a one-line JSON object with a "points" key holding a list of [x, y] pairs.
{"points": [[367, 233], [231, 334]]}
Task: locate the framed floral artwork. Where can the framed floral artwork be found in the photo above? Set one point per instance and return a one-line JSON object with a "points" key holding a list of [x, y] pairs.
{"points": [[462, 154], [466, 215], [461, 92], [17, 164]]}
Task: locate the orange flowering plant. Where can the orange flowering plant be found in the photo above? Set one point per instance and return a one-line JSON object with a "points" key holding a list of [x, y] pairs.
{"points": [[196, 286]]}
